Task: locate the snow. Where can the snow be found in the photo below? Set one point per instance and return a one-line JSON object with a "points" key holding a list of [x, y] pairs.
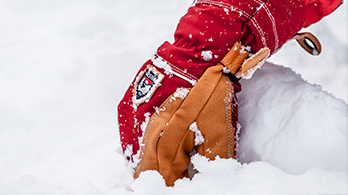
{"points": [[64, 66], [286, 115], [207, 55], [167, 67], [199, 139], [181, 93]]}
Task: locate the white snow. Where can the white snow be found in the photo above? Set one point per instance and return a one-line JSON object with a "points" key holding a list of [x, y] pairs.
{"points": [[65, 65], [199, 139], [163, 64], [181, 93], [207, 55], [290, 123]]}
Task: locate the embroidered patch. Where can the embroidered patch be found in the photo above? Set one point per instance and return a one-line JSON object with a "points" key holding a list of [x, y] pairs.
{"points": [[146, 84]]}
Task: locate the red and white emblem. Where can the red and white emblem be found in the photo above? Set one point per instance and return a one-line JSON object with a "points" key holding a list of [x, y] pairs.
{"points": [[146, 84]]}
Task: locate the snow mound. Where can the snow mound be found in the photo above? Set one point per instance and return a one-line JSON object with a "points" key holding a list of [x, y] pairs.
{"points": [[290, 123], [227, 176]]}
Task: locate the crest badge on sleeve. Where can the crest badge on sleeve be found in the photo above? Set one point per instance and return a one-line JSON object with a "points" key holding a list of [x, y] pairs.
{"points": [[146, 84]]}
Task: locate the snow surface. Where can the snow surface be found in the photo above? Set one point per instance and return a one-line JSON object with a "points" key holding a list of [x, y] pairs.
{"points": [[64, 66]]}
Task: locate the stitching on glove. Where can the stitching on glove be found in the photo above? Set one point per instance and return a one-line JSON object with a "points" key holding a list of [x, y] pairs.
{"points": [[229, 90], [148, 127]]}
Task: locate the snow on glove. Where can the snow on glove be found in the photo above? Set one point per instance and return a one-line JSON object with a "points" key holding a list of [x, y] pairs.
{"points": [[203, 37], [199, 118]]}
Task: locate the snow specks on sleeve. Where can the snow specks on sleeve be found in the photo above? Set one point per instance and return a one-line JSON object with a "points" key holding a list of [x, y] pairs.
{"points": [[170, 69], [161, 63], [207, 55], [227, 11]]}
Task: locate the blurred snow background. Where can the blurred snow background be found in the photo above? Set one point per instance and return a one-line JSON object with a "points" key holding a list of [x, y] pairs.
{"points": [[64, 66]]}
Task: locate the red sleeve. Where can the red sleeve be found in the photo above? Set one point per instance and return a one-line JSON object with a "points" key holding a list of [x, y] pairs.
{"points": [[317, 9]]}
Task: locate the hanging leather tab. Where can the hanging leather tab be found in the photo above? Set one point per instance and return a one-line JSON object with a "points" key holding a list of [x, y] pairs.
{"points": [[242, 64], [251, 64], [309, 42], [234, 58]]}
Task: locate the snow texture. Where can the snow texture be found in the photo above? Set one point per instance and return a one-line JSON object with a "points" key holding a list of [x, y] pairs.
{"points": [[181, 93], [199, 139], [65, 65], [207, 55]]}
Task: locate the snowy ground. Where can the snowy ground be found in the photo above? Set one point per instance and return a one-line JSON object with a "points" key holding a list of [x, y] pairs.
{"points": [[64, 65]]}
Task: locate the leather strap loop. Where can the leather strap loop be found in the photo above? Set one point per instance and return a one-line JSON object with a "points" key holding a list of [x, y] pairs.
{"points": [[309, 42]]}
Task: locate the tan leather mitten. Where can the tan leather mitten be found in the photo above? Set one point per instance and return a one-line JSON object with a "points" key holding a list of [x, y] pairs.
{"points": [[194, 119]]}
